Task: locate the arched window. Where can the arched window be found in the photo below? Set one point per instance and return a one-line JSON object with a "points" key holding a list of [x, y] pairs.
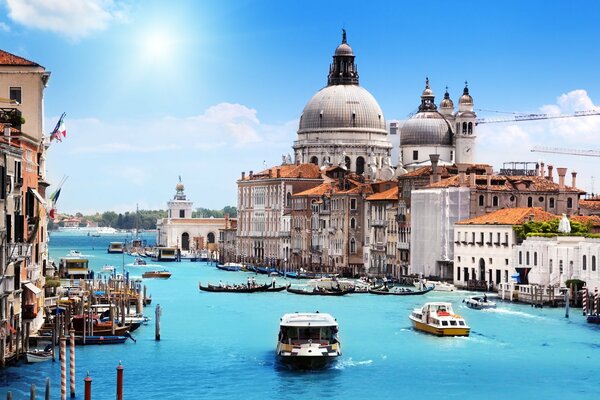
{"points": [[185, 241], [360, 165], [352, 246], [352, 223], [481, 200], [584, 263], [314, 160], [470, 128], [347, 162], [210, 238], [570, 202], [520, 257], [530, 202], [464, 128], [535, 258], [593, 263], [495, 201], [527, 258]]}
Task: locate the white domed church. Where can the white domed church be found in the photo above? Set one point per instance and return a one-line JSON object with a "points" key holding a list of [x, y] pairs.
{"points": [[342, 124]]}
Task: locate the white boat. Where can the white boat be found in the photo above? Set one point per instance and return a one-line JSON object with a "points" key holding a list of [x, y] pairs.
{"points": [[308, 340], [440, 286], [39, 355], [108, 268], [439, 319], [479, 302], [74, 253]]}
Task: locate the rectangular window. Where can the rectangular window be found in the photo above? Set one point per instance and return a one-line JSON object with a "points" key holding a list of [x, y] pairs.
{"points": [[415, 155], [15, 94], [498, 272], [458, 274], [353, 204], [181, 213]]}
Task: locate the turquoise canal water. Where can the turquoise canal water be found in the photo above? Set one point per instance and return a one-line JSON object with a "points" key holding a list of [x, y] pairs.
{"points": [[221, 346]]}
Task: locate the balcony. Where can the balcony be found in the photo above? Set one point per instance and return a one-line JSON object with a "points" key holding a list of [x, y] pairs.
{"points": [[403, 245], [379, 223], [19, 251], [378, 246]]}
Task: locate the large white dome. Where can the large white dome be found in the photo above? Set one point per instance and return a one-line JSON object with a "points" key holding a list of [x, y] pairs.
{"points": [[342, 107]]}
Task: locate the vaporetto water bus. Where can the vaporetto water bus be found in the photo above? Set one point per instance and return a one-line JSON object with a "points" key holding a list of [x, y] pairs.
{"points": [[308, 340], [439, 319]]}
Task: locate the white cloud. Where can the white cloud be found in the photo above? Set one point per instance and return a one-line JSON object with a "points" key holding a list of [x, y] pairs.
{"points": [[72, 18], [513, 141]]}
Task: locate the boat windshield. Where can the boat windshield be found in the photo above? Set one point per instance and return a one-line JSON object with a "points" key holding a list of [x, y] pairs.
{"points": [[294, 334]]}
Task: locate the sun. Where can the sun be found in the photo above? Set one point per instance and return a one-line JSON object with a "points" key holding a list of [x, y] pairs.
{"points": [[158, 47]]}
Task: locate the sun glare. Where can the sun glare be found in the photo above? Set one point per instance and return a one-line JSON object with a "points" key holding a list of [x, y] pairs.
{"points": [[158, 47]]}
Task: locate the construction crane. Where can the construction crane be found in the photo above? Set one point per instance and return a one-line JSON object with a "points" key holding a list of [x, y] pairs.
{"points": [[559, 150], [534, 117]]}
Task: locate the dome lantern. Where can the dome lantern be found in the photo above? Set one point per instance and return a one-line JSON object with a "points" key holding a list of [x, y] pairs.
{"points": [[342, 70]]}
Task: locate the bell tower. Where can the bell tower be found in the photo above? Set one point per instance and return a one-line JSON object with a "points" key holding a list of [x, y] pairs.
{"points": [[179, 207], [465, 125]]}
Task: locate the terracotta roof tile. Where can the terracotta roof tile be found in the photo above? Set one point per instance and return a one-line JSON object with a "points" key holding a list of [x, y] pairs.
{"points": [[584, 219], [322, 189], [390, 194], [504, 183], [590, 204], [510, 216], [7, 58], [308, 171]]}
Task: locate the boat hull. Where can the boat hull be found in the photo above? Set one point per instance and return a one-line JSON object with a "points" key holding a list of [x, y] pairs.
{"points": [[99, 340], [306, 362], [440, 331], [307, 355], [35, 356]]}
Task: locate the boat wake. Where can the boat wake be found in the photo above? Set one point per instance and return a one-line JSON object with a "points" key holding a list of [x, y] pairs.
{"points": [[511, 312], [348, 363]]}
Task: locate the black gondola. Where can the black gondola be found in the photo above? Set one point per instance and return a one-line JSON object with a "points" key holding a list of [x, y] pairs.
{"points": [[314, 292], [238, 289], [277, 288], [403, 292]]}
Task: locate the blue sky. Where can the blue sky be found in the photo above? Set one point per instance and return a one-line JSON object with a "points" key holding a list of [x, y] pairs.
{"points": [[205, 90]]}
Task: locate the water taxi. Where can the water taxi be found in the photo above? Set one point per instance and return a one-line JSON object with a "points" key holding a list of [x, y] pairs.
{"points": [[439, 319], [439, 286], [165, 254], [157, 274], [479, 302], [308, 340]]}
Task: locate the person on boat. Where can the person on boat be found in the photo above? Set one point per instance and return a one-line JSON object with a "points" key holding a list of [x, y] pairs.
{"points": [[385, 282], [485, 298], [248, 282], [221, 283], [273, 282], [253, 282]]}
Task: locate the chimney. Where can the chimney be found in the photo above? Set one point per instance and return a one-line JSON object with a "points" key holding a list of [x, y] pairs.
{"points": [[243, 175], [561, 178], [574, 175], [270, 173], [542, 169], [299, 174], [550, 177], [472, 179], [435, 176], [250, 174], [462, 178], [278, 172], [488, 172], [226, 221]]}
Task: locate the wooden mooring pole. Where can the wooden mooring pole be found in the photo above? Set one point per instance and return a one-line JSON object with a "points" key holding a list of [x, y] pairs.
{"points": [[47, 393], [158, 312], [72, 361], [88, 387], [119, 382], [32, 392]]}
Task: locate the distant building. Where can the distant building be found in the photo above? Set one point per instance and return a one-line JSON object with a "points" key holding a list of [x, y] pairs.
{"points": [[185, 233]]}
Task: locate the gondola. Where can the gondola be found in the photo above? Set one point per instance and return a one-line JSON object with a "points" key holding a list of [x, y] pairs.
{"points": [[239, 289], [318, 292], [277, 289], [230, 268], [403, 292]]}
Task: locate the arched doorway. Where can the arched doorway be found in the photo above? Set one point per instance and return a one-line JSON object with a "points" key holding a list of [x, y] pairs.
{"points": [[360, 165], [481, 269], [185, 241], [210, 237]]}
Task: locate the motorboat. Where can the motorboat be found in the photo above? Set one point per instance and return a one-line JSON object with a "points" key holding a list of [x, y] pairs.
{"points": [[440, 286], [438, 318], [39, 355], [139, 261], [108, 268], [164, 274], [479, 302], [308, 340], [74, 253], [115, 248]]}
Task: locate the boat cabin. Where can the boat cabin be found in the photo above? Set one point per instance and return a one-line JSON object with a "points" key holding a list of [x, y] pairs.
{"points": [[308, 328], [73, 268], [115, 247]]}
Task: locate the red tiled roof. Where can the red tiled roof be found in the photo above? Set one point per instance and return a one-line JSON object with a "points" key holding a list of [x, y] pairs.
{"points": [[390, 194], [7, 58], [308, 171], [590, 204], [594, 220], [324, 188], [504, 183], [511, 216]]}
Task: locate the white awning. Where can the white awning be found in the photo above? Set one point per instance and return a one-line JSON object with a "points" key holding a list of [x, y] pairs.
{"points": [[38, 196], [32, 288]]}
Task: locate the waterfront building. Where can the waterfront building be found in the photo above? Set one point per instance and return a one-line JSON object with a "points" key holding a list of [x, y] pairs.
{"points": [[228, 240], [24, 251], [264, 199], [180, 230], [343, 125], [484, 245], [382, 218]]}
